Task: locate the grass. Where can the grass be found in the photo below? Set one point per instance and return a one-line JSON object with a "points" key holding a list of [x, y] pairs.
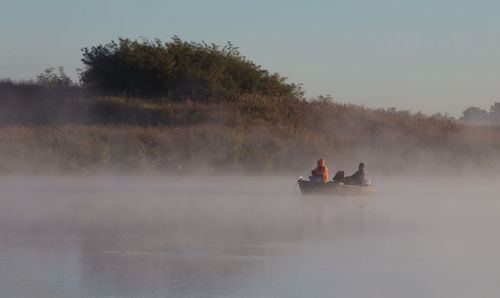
{"points": [[73, 132]]}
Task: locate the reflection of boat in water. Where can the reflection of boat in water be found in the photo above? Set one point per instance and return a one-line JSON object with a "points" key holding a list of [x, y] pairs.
{"points": [[334, 188]]}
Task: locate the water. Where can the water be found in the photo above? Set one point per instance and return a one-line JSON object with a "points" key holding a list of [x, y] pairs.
{"points": [[245, 237]]}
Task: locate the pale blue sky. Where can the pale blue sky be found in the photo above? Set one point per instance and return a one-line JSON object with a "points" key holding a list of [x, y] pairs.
{"points": [[429, 56]]}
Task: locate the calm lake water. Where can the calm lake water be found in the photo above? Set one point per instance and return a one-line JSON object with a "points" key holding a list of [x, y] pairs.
{"points": [[156, 236]]}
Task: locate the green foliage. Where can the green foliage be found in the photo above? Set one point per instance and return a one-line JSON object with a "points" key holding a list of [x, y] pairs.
{"points": [[178, 69]]}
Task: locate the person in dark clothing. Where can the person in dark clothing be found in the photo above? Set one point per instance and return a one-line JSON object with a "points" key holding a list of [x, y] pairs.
{"points": [[358, 177], [340, 177]]}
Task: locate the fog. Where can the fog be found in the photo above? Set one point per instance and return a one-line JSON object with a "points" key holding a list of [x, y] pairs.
{"points": [[246, 236]]}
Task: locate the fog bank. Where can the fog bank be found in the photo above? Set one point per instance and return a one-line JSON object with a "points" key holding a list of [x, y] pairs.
{"points": [[250, 236]]}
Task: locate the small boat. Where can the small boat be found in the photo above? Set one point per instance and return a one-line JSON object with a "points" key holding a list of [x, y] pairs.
{"points": [[334, 188]]}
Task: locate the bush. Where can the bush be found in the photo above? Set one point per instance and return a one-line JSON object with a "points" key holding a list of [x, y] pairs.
{"points": [[50, 78], [179, 69]]}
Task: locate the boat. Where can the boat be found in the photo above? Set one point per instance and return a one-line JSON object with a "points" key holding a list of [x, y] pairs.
{"points": [[334, 188]]}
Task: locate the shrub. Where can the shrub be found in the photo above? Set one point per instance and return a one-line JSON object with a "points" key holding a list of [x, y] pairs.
{"points": [[179, 69]]}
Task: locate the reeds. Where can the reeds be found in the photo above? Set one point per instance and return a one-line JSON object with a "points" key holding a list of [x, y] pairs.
{"points": [[255, 134]]}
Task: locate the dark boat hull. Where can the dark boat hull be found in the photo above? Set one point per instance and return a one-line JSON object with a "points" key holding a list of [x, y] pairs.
{"points": [[334, 188]]}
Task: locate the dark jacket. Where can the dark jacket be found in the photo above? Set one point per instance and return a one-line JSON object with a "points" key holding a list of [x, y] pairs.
{"points": [[358, 177]]}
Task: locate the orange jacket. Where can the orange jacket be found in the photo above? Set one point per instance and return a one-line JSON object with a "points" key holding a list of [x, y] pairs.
{"points": [[321, 170]]}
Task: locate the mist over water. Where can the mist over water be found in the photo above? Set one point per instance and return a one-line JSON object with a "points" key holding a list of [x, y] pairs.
{"points": [[159, 236]]}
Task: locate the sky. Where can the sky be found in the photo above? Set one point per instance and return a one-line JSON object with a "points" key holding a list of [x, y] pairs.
{"points": [[437, 56]]}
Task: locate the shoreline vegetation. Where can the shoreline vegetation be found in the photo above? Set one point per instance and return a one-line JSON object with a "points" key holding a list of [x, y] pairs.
{"points": [[257, 135], [205, 109]]}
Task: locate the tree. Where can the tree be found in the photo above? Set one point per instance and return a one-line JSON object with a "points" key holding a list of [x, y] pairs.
{"points": [[179, 69], [495, 112], [49, 77], [474, 115]]}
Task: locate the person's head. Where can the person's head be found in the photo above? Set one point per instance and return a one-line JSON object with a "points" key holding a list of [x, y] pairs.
{"points": [[321, 162], [361, 166]]}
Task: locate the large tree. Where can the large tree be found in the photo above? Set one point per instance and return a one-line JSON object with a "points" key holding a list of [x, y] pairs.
{"points": [[179, 69]]}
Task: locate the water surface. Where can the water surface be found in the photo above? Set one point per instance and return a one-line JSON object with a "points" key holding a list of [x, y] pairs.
{"points": [[157, 236]]}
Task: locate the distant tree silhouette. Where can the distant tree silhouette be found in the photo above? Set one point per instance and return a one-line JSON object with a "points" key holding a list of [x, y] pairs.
{"points": [[49, 77], [495, 112], [474, 115], [178, 69]]}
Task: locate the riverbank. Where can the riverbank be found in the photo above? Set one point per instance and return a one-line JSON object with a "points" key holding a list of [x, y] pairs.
{"points": [[255, 135]]}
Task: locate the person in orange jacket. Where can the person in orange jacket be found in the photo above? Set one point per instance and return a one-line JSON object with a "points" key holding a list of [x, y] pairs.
{"points": [[320, 173]]}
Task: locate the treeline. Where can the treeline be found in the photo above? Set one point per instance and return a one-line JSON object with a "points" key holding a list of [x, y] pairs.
{"points": [[476, 115], [177, 69], [140, 71]]}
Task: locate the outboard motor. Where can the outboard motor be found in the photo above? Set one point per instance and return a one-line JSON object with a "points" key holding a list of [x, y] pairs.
{"points": [[339, 176]]}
